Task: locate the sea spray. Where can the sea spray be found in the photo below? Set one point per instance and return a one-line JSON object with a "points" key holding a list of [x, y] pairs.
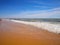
{"points": [[45, 25]]}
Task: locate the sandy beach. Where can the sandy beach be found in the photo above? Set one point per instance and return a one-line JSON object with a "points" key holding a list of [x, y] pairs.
{"points": [[12, 33]]}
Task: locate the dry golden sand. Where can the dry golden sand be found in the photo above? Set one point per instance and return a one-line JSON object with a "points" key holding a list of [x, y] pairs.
{"points": [[19, 34]]}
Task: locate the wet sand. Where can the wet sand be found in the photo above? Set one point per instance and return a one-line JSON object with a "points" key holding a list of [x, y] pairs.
{"points": [[20, 34]]}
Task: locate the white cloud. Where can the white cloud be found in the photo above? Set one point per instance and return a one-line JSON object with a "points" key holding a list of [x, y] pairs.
{"points": [[46, 2], [41, 13], [44, 7], [51, 13]]}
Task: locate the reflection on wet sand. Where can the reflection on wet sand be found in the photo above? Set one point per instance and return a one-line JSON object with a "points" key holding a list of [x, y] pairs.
{"points": [[19, 34]]}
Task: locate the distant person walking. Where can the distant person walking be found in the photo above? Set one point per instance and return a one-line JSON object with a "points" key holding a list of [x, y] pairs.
{"points": [[0, 19], [0, 25]]}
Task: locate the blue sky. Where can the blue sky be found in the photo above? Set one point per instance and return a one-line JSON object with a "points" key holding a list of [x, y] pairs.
{"points": [[29, 8]]}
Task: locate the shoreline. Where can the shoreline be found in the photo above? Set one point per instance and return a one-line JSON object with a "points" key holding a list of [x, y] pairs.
{"points": [[12, 33], [44, 25]]}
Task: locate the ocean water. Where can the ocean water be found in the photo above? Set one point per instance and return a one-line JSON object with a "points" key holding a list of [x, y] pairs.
{"points": [[38, 19], [51, 25], [50, 20]]}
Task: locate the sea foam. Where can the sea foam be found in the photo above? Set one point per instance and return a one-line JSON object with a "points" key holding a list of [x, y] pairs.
{"points": [[45, 25]]}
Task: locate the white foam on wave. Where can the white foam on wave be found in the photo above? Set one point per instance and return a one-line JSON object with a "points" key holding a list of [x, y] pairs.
{"points": [[45, 25]]}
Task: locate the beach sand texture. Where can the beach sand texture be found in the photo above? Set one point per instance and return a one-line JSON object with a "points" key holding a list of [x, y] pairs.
{"points": [[12, 33]]}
